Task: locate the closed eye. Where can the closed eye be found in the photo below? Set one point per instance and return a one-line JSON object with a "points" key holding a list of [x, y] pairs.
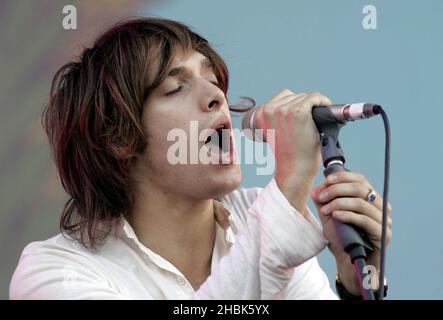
{"points": [[174, 91], [216, 83], [213, 80]]}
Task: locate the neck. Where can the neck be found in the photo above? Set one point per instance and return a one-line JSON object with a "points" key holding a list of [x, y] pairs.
{"points": [[180, 230]]}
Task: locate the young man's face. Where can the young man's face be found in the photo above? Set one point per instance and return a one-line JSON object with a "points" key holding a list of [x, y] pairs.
{"points": [[188, 106]]}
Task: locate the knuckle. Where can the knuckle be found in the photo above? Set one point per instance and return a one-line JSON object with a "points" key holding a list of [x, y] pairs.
{"points": [[389, 222], [334, 204], [319, 97], [359, 190], [361, 177], [331, 192], [337, 191], [389, 235], [294, 110], [267, 110], [286, 91], [389, 208], [281, 111], [315, 98], [360, 203]]}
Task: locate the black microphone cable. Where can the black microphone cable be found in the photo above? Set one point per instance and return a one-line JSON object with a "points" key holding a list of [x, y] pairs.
{"points": [[385, 201]]}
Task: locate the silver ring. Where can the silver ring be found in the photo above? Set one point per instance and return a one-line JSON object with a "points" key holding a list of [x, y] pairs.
{"points": [[371, 196]]}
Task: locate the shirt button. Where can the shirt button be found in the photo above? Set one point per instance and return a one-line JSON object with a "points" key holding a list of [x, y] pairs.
{"points": [[181, 281]]}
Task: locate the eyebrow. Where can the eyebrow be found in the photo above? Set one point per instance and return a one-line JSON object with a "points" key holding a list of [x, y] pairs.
{"points": [[205, 63]]}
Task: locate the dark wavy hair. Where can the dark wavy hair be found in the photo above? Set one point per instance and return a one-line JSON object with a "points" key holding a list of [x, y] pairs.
{"points": [[93, 117]]}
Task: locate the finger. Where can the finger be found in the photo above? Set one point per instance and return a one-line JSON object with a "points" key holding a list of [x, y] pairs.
{"points": [[389, 207], [316, 192], [378, 202], [330, 192], [361, 207], [348, 189], [298, 97], [356, 205], [324, 218], [347, 176], [285, 100], [269, 108], [316, 99], [289, 102], [282, 106], [371, 227]]}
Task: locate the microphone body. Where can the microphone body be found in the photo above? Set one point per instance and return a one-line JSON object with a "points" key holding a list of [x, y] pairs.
{"points": [[342, 113]]}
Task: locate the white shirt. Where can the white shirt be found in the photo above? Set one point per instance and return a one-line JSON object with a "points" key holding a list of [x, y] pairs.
{"points": [[264, 249]]}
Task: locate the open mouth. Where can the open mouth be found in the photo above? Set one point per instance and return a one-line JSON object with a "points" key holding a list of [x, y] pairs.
{"points": [[221, 138]]}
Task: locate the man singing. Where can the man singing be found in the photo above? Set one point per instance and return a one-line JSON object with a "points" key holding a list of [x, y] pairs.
{"points": [[137, 226]]}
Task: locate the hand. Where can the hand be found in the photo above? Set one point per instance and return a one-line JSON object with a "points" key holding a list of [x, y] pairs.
{"points": [[343, 196], [296, 144]]}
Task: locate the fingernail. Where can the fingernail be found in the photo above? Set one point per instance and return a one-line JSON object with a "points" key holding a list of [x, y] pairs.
{"points": [[332, 178], [326, 209], [323, 195]]}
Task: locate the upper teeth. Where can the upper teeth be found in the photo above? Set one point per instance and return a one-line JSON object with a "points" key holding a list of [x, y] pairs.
{"points": [[218, 132]]}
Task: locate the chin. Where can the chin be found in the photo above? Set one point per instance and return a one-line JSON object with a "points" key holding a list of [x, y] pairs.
{"points": [[228, 182]]}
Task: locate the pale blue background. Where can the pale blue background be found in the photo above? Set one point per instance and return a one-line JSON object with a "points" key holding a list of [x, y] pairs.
{"points": [[269, 45], [321, 46]]}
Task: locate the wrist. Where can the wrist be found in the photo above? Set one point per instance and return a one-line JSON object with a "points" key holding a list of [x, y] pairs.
{"points": [[348, 280], [344, 294], [296, 189], [347, 275]]}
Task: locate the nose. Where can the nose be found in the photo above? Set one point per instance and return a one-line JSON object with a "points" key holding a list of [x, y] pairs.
{"points": [[213, 98]]}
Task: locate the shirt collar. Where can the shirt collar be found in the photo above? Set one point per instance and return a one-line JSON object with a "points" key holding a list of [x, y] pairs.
{"points": [[226, 232]]}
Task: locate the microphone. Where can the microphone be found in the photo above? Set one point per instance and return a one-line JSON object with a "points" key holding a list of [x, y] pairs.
{"points": [[329, 120], [342, 113]]}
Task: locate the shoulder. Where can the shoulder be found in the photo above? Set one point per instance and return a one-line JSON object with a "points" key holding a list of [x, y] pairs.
{"points": [[55, 269]]}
